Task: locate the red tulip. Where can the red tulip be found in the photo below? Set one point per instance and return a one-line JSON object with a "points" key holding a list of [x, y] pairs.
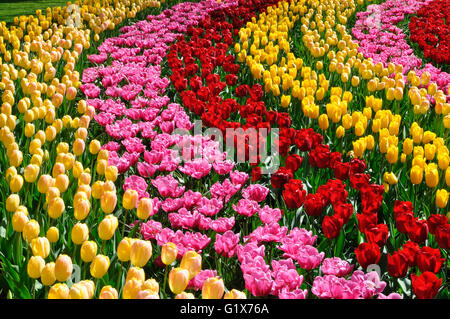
{"points": [[397, 264], [367, 254], [426, 285]]}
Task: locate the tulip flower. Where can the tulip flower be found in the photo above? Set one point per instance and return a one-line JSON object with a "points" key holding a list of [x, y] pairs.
{"points": [[144, 208], [130, 199], [107, 227], [80, 233], [169, 252], [185, 295], [40, 247], [136, 273], [442, 198], [19, 220], [178, 280], [140, 252], [58, 291], [31, 230], [123, 249], [12, 202], [99, 266], [35, 266], [108, 202], [48, 276], [234, 294], [191, 261], [52, 234], [213, 288], [108, 292], [63, 267], [131, 289], [88, 250]]}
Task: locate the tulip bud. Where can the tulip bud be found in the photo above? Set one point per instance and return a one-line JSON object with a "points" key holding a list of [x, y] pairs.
{"points": [[213, 288], [145, 208], [48, 277], [131, 289], [99, 266], [107, 227], [80, 233], [123, 249], [178, 280], [140, 252], [108, 292], [136, 273], [130, 199], [108, 202], [234, 294], [58, 291], [40, 247], [35, 266], [53, 234], [63, 267], [31, 230], [88, 251]]}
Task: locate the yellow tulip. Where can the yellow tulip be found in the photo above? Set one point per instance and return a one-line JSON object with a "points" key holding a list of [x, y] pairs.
{"points": [[108, 292], [213, 288], [107, 227], [58, 291], [234, 294], [416, 174], [136, 273], [88, 251], [48, 276], [63, 267], [12, 202], [441, 198], [35, 266], [130, 199], [169, 252], [178, 280], [52, 234], [191, 261], [40, 247], [31, 230], [99, 266], [131, 289], [140, 253]]}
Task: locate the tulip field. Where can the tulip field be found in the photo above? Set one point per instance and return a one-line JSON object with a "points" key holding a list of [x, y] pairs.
{"points": [[225, 149]]}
